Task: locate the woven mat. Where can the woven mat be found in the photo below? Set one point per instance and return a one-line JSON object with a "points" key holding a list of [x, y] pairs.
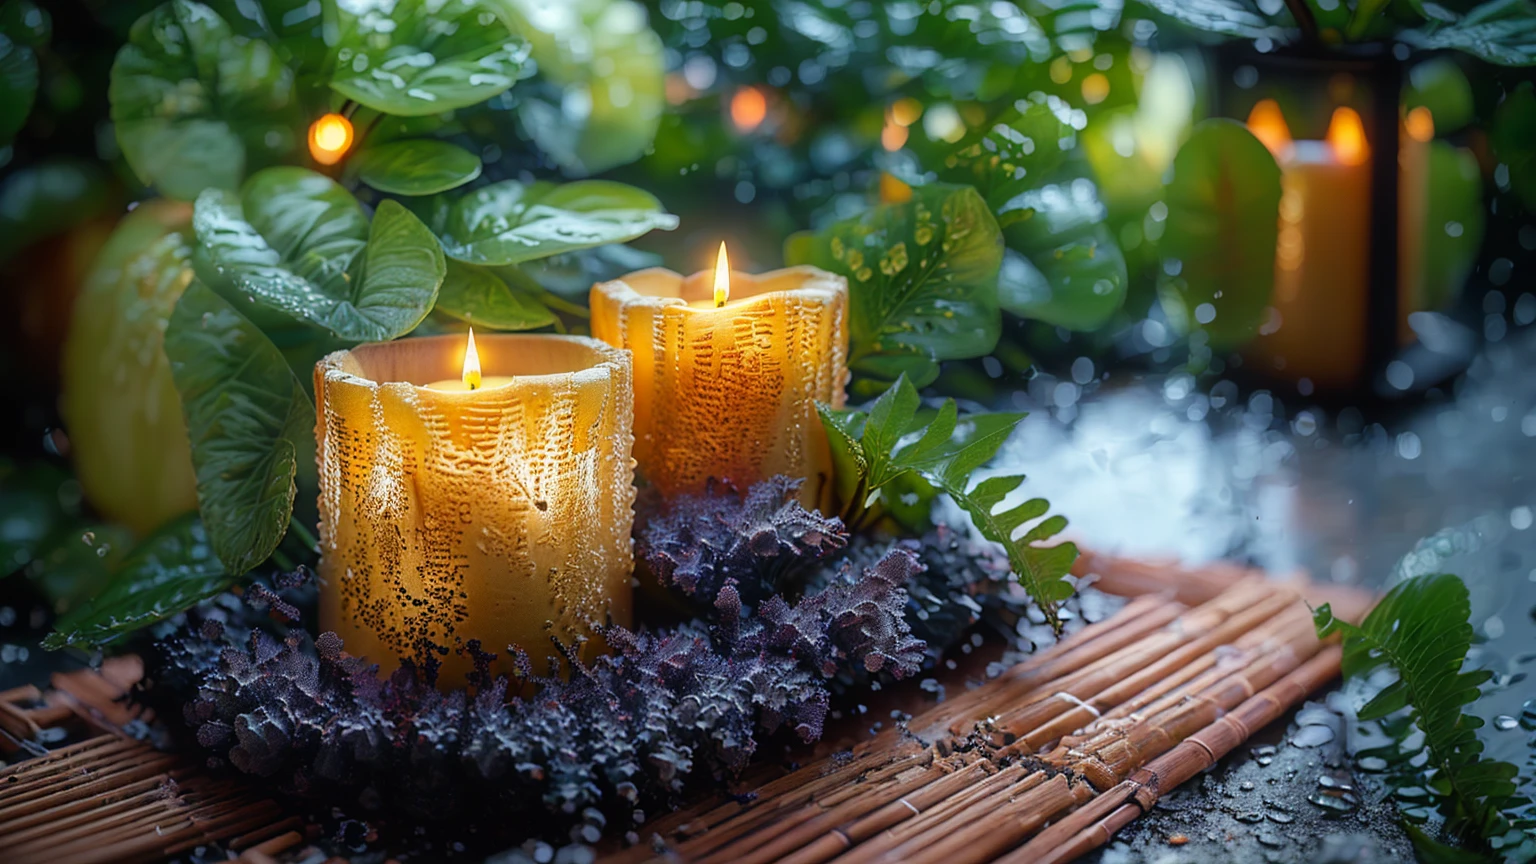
{"points": [[101, 795]]}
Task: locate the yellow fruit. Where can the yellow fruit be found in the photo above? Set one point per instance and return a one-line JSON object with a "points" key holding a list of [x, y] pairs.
{"points": [[120, 406]]}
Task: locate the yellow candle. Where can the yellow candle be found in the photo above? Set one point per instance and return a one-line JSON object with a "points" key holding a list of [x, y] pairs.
{"points": [[1322, 259], [501, 513], [728, 370], [470, 378]]}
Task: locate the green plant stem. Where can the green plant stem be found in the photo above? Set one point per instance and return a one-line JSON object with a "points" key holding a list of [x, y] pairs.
{"points": [[560, 304], [303, 534]]}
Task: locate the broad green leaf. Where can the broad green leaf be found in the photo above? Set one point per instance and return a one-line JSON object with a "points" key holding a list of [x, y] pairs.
{"points": [[1439, 85], [1514, 141], [299, 30], [1453, 224], [1064, 268], [599, 54], [1502, 32], [250, 422], [18, 86], [119, 402], [168, 573], [1223, 212], [418, 57], [192, 103], [76, 563], [295, 247], [922, 279], [572, 274], [1226, 18], [1420, 631], [419, 166], [509, 222], [481, 297]]}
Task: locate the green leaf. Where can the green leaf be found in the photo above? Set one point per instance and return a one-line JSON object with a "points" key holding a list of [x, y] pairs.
{"points": [[1228, 18], [168, 573], [602, 54], [18, 86], [1420, 631], [1439, 85], [1514, 141], [295, 247], [192, 103], [298, 29], [419, 166], [1223, 212], [129, 444], [1063, 267], [26, 23], [250, 422], [509, 222], [418, 57], [1453, 224], [49, 197], [942, 451], [479, 296], [1502, 32], [922, 279]]}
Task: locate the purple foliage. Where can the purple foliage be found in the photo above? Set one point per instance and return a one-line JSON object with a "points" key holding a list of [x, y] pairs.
{"points": [[702, 542]]}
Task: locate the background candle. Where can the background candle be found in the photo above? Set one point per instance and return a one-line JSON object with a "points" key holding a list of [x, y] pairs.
{"points": [[501, 514], [1322, 259], [730, 391]]}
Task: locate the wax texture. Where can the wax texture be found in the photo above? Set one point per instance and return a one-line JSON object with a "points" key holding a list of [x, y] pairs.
{"points": [[730, 392], [501, 515]]}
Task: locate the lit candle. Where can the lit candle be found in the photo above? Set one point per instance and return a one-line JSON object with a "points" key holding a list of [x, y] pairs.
{"points": [[450, 512], [1413, 206], [728, 370], [1322, 258]]}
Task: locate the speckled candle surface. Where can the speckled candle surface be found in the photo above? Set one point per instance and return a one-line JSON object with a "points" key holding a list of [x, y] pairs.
{"points": [[501, 514], [730, 392]]}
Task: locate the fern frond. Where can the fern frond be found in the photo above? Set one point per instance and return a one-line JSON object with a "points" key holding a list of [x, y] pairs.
{"points": [[944, 450], [1421, 631]]}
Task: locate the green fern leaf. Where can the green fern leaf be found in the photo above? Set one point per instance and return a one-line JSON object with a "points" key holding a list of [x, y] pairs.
{"points": [[896, 441], [1420, 631]]}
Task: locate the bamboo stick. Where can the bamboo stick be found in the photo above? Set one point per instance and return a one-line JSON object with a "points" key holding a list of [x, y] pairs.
{"points": [[1092, 826]]}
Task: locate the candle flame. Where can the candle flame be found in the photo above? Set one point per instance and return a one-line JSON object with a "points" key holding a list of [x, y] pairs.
{"points": [[1420, 124], [472, 364], [722, 277], [329, 138], [1267, 124], [1346, 135], [749, 107]]}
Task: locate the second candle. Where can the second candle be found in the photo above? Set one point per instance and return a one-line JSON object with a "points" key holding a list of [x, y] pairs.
{"points": [[728, 370]]}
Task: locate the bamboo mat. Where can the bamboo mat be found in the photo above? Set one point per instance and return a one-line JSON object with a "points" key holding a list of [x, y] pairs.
{"points": [[1047, 760], [105, 796], [1039, 764]]}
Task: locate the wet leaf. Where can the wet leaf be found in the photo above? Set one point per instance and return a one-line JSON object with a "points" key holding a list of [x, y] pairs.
{"points": [[166, 574], [509, 222], [120, 406], [922, 279], [192, 103], [33, 509], [1502, 32], [1514, 141], [418, 57], [250, 422], [293, 246], [26, 23], [1223, 212], [299, 30], [1230, 18], [18, 86], [416, 167], [599, 54], [1062, 265], [572, 274], [481, 297]]}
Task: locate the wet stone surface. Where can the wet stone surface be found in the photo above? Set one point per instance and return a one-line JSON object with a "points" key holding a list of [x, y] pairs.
{"points": [[1290, 795]]}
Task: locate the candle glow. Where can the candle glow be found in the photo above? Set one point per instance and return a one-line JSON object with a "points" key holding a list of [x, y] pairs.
{"points": [[471, 374], [1267, 124], [329, 138], [1346, 135]]}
